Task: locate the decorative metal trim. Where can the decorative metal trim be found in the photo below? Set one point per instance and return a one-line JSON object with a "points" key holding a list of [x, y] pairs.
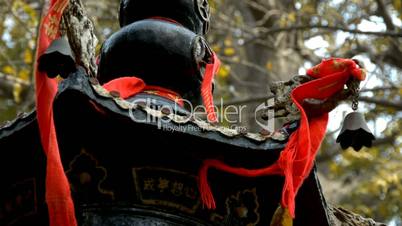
{"points": [[204, 125], [203, 10], [237, 197], [100, 189]]}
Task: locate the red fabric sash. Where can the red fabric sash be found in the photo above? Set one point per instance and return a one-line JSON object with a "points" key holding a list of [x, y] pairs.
{"points": [[58, 196], [131, 86], [296, 160], [206, 87], [126, 86]]}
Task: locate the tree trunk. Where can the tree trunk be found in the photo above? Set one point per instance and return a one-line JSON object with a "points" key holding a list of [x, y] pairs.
{"points": [[80, 32]]}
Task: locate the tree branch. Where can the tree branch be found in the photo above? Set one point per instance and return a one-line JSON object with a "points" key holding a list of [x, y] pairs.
{"points": [[381, 102], [246, 64], [380, 88], [242, 82], [272, 31], [385, 103], [334, 150], [254, 99], [329, 154], [81, 36], [382, 11], [11, 80]]}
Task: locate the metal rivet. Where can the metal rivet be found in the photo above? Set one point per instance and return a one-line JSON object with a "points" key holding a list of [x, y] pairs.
{"points": [[114, 94], [166, 111], [241, 130], [265, 133]]}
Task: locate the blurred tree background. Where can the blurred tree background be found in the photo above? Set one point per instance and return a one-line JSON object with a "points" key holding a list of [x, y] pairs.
{"points": [[260, 41]]}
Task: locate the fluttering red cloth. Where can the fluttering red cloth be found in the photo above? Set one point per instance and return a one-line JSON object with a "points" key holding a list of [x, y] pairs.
{"points": [[206, 87], [296, 160], [58, 196], [131, 86]]}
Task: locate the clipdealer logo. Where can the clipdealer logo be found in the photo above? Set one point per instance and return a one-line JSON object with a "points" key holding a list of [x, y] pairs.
{"points": [[232, 114]]}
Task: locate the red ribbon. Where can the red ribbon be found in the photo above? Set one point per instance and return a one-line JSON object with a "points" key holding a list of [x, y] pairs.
{"points": [[58, 195], [296, 160], [206, 87], [131, 86]]}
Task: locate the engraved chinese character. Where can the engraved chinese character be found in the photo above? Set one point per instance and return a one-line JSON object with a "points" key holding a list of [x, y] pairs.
{"points": [[177, 188], [163, 184], [149, 184]]}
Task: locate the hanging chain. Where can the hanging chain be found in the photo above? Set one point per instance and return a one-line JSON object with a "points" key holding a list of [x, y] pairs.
{"points": [[355, 102], [355, 87]]}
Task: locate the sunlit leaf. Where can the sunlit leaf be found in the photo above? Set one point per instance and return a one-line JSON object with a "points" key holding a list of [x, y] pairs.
{"points": [[9, 70], [17, 89], [229, 51], [24, 74], [228, 42], [292, 17], [224, 71], [28, 56]]}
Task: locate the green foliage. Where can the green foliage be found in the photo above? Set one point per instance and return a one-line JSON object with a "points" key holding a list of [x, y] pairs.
{"points": [[17, 48]]}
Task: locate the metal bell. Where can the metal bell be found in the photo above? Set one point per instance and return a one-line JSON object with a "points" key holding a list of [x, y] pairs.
{"points": [[58, 59], [355, 132]]}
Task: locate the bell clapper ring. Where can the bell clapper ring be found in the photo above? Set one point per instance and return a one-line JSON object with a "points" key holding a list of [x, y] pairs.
{"points": [[355, 89]]}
